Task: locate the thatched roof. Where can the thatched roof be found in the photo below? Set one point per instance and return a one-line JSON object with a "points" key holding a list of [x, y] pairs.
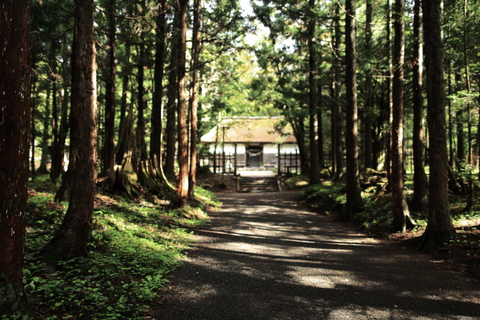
{"points": [[250, 130]]}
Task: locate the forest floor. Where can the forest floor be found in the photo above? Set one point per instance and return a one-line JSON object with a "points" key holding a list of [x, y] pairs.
{"points": [[268, 256], [137, 243]]}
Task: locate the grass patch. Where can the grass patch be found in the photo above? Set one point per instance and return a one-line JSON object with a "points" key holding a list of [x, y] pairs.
{"points": [[133, 247]]}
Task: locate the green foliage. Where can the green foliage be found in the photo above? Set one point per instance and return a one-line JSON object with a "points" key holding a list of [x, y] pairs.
{"points": [[13, 303], [324, 195], [296, 182], [133, 246], [375, 218]]}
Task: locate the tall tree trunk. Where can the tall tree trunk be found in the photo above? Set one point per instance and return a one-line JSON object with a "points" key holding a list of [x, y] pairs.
{"points": [[109, 146], [125, 127], [54, 153], [140, 152], [460, 119], [196, 47], [182, 184], [337, 123], [312, 80], [46, 154], [33, 132], [321, 156], [140, 155], [471, 190], [389, 80], [439, 227], [369, 112], [157, 108], [72, 237], [401, 211], [450, 119], [467, 82], [14, 149], [354, 200], [172, 93], [141, 147], [58, 165], [419, 201]]}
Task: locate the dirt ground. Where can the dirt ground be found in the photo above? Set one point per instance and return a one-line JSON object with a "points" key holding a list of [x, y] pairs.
{"points": [[266, 256]]}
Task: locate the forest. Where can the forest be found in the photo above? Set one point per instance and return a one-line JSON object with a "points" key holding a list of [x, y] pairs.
{"points": [[104, 103]]}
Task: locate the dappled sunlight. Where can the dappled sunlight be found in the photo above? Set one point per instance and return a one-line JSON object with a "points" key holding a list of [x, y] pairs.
{"points": [[270, 254]]}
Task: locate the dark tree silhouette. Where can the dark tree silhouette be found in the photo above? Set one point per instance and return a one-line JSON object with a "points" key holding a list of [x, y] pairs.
{"points": [[72, 237], [439, 227], [14, 148]]}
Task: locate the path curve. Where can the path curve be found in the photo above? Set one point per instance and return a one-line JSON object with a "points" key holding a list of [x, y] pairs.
{"points": [[266, 257]]}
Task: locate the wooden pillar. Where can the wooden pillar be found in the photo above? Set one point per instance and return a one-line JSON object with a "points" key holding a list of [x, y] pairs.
{"points": [[235, 160], [279, 160]]}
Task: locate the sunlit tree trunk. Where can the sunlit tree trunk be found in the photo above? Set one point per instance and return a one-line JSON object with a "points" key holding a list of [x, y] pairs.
{"points": [[182, 184], [354, 200], [400, 206], [194, 96], [14, 149]]}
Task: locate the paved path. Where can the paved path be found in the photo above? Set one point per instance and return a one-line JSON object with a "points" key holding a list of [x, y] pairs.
{"points": [[266, 257]]}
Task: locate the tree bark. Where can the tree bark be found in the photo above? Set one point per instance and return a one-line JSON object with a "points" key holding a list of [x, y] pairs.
{"points": [[368, 113], [320, 140], [125, 127], [196, 47], [460, 119], [389, 82], [312, 80], [419, 201], [439, 227], [58, 165], [72, 237], [172, 93], [182, 184], [109, 146], [401, 211], [14, 150], [354, 200], [157, 108], [46, 153], [337, 123]]}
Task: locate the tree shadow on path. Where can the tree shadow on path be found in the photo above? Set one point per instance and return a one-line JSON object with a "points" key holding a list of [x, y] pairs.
{"points": [[266, 257]]}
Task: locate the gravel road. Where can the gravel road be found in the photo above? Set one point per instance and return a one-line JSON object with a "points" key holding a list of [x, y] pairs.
{"points": [[265, 256]]}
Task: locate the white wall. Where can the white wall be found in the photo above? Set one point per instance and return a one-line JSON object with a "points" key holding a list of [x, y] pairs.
{"points": [[269, 148], [229, 148]]}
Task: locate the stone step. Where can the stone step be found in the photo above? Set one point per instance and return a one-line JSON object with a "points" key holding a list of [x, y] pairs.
{"points": [[257, 184]]}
